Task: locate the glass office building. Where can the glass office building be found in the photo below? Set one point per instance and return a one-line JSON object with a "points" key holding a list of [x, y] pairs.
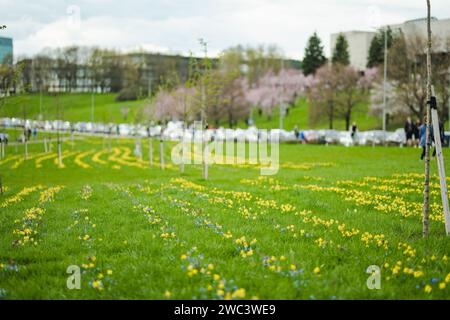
{"points": [[6, 50]]}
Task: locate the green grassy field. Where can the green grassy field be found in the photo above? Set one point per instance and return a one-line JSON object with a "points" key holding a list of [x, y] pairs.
{"points": [[308, 232], [77, 107]]}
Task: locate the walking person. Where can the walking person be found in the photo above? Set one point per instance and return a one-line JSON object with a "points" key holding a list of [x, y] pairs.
{"points": [[409, 130], [354, 131], [297, 133], [423, 138]]}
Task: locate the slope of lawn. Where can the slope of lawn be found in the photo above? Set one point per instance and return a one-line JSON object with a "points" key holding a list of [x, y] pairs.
{"points": [[299, 116], [135, 231], [77, 107]]}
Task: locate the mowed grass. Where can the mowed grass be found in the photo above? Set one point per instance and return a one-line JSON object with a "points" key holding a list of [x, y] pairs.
{"points": [[77, 107], [73, 107], [308, 232]]}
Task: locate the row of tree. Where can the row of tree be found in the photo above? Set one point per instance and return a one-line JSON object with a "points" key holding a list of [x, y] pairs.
{"points": [[406, 76]]}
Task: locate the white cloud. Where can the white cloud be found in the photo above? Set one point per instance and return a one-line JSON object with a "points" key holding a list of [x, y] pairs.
{"points": [[176, 25]]}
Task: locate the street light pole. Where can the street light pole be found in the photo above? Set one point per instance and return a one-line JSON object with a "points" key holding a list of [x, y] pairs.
{"points": [[385, 78], [92, 106]]}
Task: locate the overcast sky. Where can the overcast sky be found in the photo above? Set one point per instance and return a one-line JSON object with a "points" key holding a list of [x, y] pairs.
{"points": [[174, 26]]}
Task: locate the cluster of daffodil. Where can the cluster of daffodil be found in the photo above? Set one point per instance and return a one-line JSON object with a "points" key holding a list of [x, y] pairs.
{"points": [[28, 229], [100, 279], [10, 158], [86, 192], [64, 155], [48, 195], [97, 157], [202, 219], [306, 166], [381, 203], [125, 190], [281, 265], [166, 231], [20, 196], [39, 160], [378, 240], [79, 159], [216, 287], [245, 249], [84, 225], [367, 238], [388, 202], [21, 160]]}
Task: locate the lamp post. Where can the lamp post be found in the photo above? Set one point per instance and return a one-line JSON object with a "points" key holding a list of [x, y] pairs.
{"points": [[92, 106], [385, 77]]}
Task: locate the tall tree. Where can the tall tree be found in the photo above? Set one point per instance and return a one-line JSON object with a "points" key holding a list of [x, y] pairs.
{"points": [[376, 49], [322, 96], [340, 51], [314, 56]]}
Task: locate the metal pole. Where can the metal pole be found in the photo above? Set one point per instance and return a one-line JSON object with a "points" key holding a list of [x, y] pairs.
{"points": [[92, 107], [40, 101], [385, 78]]}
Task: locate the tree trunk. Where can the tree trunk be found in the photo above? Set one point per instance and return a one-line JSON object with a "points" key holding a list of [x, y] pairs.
{"points": [[426, 191], [161, 153]]}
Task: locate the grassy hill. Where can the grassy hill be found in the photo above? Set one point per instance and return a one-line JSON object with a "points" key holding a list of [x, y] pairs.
{"points": [[77, 107], [138, 232]]}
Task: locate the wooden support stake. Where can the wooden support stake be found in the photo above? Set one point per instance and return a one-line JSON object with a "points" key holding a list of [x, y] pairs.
{"points": [[440, 162]]}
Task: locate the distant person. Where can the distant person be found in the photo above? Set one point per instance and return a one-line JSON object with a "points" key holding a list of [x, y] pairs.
{"points": [[28, 134], [416, 136], [297, 133], [423, 138], [303, 138], [34, 133], [354, 130], [409, 131]]}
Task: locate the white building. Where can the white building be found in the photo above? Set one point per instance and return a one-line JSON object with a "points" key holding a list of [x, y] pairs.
{"points": [[439, 29], [359, 41], [358, 46]]}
